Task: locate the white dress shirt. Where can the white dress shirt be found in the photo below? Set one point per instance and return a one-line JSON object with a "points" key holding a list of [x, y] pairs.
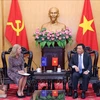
{"points": [[82, 61]]}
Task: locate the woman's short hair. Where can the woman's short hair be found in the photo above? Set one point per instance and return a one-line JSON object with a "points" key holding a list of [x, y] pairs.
{"points": [[14, 50]]}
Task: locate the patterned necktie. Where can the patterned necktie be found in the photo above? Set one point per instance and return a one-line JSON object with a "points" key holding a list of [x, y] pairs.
{"points": [[80, 64]]}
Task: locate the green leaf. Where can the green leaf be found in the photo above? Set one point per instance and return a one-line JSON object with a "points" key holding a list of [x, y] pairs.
{"points": [[37, 43], [49, 97], [43, 29], [61, 96], [64, 42], [43, 98], [53, 43], [59, 43], [70, 40], [37, 97], [42, 44], [49, 43], [34, 35]]}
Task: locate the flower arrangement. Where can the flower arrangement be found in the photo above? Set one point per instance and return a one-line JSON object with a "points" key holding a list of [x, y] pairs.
{"points": [[49, 97], [47, 38]]}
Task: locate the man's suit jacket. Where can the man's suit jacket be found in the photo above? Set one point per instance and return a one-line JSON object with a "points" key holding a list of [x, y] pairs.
{"points": [[87, 62]]}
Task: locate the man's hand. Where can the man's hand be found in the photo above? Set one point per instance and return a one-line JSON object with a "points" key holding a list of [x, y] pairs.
{"points": [[76, 69], [85, 72]]}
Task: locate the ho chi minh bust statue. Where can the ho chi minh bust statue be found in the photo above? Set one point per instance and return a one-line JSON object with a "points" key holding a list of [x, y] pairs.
{"points": [[54, 25]]}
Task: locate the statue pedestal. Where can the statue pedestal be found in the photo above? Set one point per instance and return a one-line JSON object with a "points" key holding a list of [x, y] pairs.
{"points": [[50, 52]]}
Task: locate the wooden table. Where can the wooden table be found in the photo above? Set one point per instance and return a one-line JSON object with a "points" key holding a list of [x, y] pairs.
{"points": [[50, 77]]}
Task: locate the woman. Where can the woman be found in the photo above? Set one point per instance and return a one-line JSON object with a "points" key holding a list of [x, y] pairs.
{"points": [[16, 66]]}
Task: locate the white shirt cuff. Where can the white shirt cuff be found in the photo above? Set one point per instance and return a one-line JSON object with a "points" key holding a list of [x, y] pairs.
{"points": [[73, 66], [88, 71]]}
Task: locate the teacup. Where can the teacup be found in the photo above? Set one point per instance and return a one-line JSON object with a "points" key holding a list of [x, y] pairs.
{"points": [[38, 69], [58, 69]]}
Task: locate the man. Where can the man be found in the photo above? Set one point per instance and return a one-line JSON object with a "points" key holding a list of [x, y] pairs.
{"points": [[81, 64], [54, 25]]}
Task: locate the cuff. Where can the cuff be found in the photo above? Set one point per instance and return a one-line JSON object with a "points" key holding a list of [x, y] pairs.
{"points": [[73, 66], [88, 71]]}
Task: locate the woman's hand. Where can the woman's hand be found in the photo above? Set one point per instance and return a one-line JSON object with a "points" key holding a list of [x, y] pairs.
{"points": [[21, 71]]}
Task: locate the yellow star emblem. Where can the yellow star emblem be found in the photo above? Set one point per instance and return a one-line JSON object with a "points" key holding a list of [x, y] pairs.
{"points": [[86, 25]]}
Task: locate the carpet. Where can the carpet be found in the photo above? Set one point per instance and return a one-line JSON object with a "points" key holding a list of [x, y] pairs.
{"points": [[11, 94]]}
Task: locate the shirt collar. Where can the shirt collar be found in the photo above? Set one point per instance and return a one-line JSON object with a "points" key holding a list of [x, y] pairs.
{"points": [[81, 54]]}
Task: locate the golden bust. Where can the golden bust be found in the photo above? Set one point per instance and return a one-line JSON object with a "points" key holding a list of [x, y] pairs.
{"points": [[54, 25]]}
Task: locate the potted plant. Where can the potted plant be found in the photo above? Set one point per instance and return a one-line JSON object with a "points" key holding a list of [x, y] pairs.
{"points": [[44, 37]]}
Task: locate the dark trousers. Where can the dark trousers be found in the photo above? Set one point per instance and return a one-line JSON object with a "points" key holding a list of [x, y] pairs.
{"points": [[85, 80]]}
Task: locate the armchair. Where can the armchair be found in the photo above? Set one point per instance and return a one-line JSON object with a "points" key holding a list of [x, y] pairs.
{"points": [[94, 77], [28, 55]]}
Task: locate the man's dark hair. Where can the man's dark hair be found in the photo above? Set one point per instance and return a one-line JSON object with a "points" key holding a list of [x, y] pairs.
{"points": [[83, 46]]}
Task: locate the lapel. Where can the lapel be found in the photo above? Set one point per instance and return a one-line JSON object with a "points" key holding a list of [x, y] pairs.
{"points": [[84, 58], [77, 59]]}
